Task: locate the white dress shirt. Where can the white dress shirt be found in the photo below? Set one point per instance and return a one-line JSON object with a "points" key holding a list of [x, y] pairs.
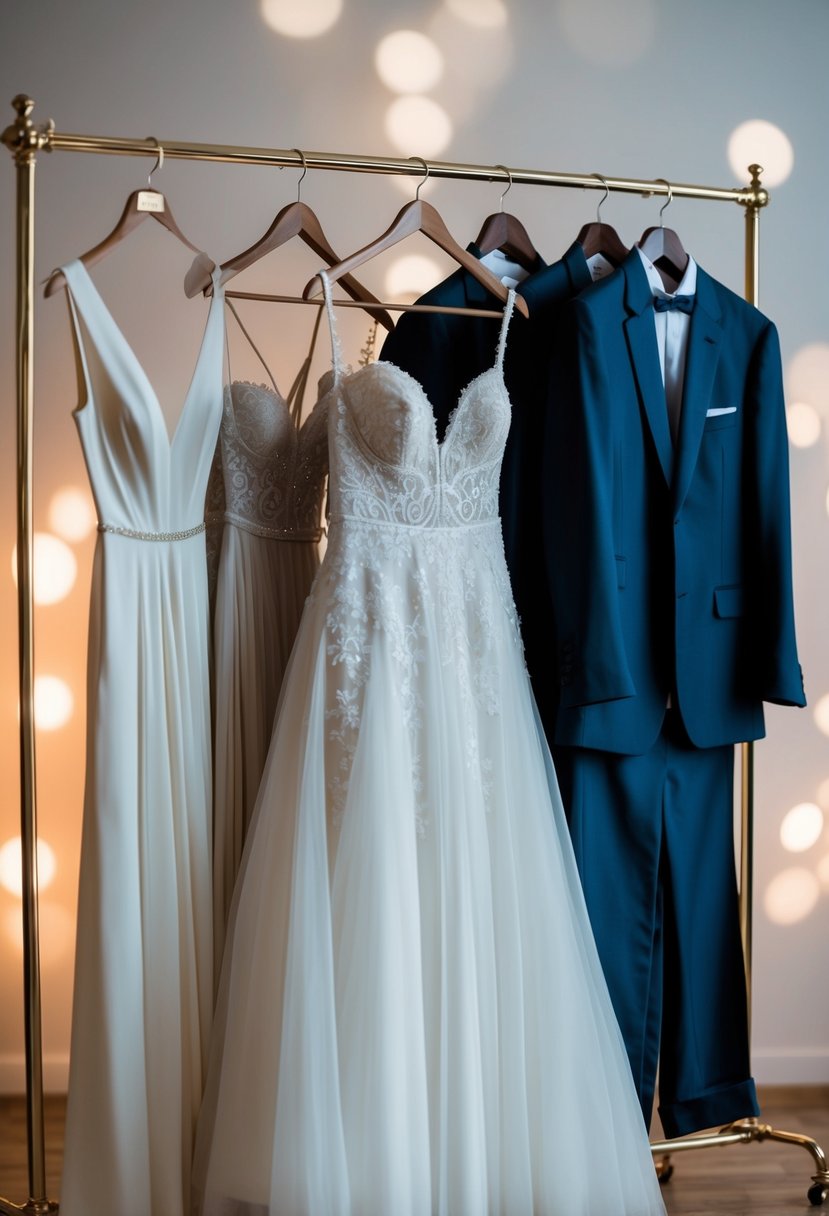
{"points": [[672, 330]]}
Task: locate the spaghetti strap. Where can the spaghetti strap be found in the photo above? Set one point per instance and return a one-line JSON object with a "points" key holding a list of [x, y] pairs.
{"points": [[255, 348], [502, 338], [336, 350], [296, 395]]}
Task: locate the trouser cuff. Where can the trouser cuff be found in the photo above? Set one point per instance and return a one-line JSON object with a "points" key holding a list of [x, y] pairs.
{"points": [[722, 1104]]}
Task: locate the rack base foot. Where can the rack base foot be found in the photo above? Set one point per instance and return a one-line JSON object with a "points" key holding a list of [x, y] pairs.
{"points": [[33, 1207], [746, 1131]]}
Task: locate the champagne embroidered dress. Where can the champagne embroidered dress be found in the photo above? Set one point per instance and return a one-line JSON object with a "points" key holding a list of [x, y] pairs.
{"points": [[273, 469], [412, 1018]]}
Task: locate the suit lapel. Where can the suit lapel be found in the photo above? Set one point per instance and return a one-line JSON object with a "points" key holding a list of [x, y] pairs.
{"points": [[644, 355], [701, 361]]}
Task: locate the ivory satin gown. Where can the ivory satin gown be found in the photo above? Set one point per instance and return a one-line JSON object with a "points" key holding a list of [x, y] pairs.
{"points": [[143, 973], [412, 1019]]}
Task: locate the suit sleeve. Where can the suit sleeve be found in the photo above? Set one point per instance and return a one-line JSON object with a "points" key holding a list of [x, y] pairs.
{"points": [[771, 594], [578, 522]]}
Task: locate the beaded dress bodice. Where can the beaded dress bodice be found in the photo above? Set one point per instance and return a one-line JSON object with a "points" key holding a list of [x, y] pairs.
{"points": [[274, 471]]}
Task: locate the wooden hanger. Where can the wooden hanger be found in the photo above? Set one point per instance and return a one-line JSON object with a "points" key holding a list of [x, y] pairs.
{"points": [[296, 219], [664, 248], [418, 216], [602, 238], [506, 232], [141, 205]]}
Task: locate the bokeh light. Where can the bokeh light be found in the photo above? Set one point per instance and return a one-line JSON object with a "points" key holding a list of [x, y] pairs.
{"points": [[53, 702], [807, 376], [821, 710], [803, 424], [418, 126], [758, 142], [791, 895], [823, 794], [301, 18], [55, 568], [801, 827], [11, 854], [408, 62], [71, 513], [606, 32], [486, 14], [411, 275]]}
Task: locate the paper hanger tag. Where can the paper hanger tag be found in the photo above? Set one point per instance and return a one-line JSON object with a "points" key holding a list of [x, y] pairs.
{"points": [[149, 200], [599, 266]]}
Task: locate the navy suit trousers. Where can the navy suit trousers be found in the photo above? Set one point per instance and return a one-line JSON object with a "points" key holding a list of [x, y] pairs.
{"points": [[653, 838]]}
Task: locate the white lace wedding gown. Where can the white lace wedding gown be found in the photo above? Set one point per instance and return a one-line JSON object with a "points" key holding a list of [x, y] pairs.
{"points": [[412, 1019], [143, 970], [273, 468]]}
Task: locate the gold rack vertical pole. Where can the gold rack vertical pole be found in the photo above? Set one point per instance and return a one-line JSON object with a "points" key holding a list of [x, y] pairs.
{"points": [[24, 140], [752, 294]]}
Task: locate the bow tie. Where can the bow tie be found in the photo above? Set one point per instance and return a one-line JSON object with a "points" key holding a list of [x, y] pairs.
{"points": [[674, 303]]}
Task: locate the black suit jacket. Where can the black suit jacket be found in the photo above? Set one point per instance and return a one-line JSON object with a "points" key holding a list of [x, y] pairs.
{"points": [[444, 352]]}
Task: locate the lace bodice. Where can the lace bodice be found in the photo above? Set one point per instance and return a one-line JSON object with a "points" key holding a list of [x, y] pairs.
{"points": [[387, 464], [274, 472]]}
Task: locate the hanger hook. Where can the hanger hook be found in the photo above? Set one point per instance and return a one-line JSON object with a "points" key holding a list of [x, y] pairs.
{"points": [[159, 162], [604, 197], [301, 156], [509, 187], [665, 206], [424, 179]]}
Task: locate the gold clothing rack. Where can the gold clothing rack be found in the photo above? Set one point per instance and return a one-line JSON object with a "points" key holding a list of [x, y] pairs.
{"points": [[24, 140]]}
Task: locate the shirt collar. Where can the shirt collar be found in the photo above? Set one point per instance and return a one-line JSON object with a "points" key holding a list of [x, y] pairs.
{"points": [[687, 285]]}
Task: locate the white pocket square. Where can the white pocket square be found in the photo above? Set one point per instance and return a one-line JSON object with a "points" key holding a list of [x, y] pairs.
{"points": [[728, 409]]}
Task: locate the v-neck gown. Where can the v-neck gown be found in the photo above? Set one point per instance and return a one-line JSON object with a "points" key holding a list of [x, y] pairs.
{"points": [[411, 1018], [143, 972]]}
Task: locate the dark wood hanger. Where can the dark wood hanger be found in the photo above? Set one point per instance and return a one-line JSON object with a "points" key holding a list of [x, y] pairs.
{"points": [[296, 219], [141, 205], [604, 239], [664, 248], [419, 216], [506, 232]]}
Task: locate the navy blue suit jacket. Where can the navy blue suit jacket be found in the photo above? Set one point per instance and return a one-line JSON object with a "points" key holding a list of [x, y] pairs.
{"points": [[445, 352], [670, 569]]}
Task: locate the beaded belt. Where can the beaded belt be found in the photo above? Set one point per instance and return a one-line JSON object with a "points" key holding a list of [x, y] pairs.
{"points": [[133, 535], [295, 534]]}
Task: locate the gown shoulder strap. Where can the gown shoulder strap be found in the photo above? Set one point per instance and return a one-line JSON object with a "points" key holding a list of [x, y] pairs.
{"points": [[502, 337], [253, 345], [336, 350]]}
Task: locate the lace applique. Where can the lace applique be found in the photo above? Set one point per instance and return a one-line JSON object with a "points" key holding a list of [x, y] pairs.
{"points": [[415, 561], [274, 473]]}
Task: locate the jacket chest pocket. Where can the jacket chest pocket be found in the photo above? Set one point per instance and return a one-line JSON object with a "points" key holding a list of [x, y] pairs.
{"points": [[718, 418]]}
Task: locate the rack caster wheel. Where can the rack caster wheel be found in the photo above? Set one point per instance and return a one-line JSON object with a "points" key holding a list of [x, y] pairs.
{"points": [[816, 1194], [664, 1170]]}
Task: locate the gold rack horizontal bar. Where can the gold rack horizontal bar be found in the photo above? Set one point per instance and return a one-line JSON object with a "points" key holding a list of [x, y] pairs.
{"points": [[56, 141]]}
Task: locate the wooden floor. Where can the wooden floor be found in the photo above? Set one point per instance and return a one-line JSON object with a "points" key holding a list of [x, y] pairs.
{"points": [[742, 1180]]}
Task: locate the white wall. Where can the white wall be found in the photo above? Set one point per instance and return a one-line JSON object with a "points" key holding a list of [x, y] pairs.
{"points": [[651, 89]]}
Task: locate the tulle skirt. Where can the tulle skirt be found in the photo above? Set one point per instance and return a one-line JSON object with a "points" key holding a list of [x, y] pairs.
{"points": [[412, 1019]]}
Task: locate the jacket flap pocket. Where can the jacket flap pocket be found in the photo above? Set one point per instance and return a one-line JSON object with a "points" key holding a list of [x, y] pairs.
{"points": [[728, 601]]}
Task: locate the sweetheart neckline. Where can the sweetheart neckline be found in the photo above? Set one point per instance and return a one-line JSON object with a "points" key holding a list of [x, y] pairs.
{"points": [[275, 394], [438, 444]]}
